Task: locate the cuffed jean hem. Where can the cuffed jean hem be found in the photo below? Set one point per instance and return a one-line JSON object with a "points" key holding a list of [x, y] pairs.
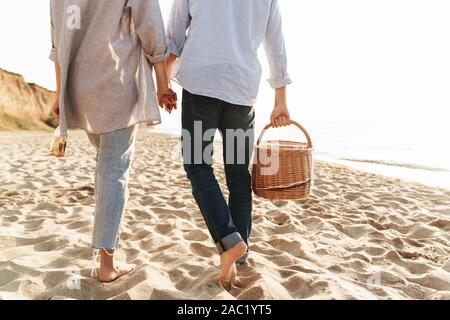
{"points": [[228, 242], [243, 259]]}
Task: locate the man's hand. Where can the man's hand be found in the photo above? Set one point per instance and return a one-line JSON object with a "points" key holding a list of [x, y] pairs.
{"points": [[280, 115]]}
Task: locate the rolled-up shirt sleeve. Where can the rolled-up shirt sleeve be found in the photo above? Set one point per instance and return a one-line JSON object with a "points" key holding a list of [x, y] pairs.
{"points": [[53, 55], [275, 48], [149, 26], [179, 22]]}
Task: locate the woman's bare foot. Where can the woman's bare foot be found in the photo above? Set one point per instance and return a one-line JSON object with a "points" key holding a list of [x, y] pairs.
{"points": [[110, 270], [228, 260], [108, 275]]}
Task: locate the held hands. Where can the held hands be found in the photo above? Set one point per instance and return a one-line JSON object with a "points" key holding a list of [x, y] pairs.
{"points": [[167, 100]]}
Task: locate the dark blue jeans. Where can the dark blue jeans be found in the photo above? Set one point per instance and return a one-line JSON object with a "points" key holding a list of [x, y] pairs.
{"points": [[228, 223]]}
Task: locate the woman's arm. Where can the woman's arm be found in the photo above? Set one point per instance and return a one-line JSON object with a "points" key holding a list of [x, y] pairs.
{"points": [[54, 57], [55, 109], [162, 83], [149, 26], [166, 96]]}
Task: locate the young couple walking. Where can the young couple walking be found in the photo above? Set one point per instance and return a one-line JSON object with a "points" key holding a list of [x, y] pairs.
{"points": [[105, 53]]}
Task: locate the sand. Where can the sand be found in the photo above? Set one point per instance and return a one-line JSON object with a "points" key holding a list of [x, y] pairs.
{"points": [[359, 236]]}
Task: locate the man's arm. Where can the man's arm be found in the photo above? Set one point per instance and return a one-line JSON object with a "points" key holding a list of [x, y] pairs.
{"points": [[170, 62], [276, 54], [179, 22], [280, 116]]}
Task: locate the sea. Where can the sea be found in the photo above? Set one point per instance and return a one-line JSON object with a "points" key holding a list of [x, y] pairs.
{"points": [[404, 151]]}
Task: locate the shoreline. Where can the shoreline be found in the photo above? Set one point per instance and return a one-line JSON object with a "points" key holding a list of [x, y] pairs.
{"points": [[408, 174], [429, 179], [439, 178]]}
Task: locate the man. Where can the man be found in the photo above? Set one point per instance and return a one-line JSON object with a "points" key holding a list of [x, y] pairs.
{"points": [[104, 51], [216, 43]]}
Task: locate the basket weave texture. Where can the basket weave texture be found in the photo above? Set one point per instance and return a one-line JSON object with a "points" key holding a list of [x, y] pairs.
{"points": [[283, 170]]}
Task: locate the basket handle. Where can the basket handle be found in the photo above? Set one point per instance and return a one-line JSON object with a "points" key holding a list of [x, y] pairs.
{"points": [[308, 137]]}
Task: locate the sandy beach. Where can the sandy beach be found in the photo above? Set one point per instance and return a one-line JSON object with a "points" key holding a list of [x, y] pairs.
{"points": [[359, 236]]}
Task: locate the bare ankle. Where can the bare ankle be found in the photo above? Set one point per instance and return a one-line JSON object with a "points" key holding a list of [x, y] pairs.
{"points": [[106, 259]]}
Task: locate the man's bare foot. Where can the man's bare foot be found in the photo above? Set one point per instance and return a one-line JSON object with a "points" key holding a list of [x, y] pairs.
{"points": [[108, 275], [240, 266], [228, 260]]}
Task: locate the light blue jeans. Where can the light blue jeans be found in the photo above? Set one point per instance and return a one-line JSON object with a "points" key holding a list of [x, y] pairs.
{"points": [[115, 152]]}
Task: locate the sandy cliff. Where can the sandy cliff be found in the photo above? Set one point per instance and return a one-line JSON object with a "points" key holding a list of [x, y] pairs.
{"points": [[23, 106]]}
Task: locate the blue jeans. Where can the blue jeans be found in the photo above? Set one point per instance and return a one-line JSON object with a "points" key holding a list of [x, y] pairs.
{"points": [[115, 153], [229, 223]]}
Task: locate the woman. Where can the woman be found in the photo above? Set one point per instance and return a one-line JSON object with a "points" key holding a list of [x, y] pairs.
{"points": [[104, 52], [216, 43]]}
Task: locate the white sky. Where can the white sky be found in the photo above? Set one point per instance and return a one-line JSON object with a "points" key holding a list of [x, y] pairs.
{"points": [[358, 59]]}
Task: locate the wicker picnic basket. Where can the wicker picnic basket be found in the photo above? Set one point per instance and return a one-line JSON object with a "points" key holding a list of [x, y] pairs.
{"points": [[283, 170]]}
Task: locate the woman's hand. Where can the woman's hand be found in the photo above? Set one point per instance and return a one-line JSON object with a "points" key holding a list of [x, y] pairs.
{"points": [[280, 115]]}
